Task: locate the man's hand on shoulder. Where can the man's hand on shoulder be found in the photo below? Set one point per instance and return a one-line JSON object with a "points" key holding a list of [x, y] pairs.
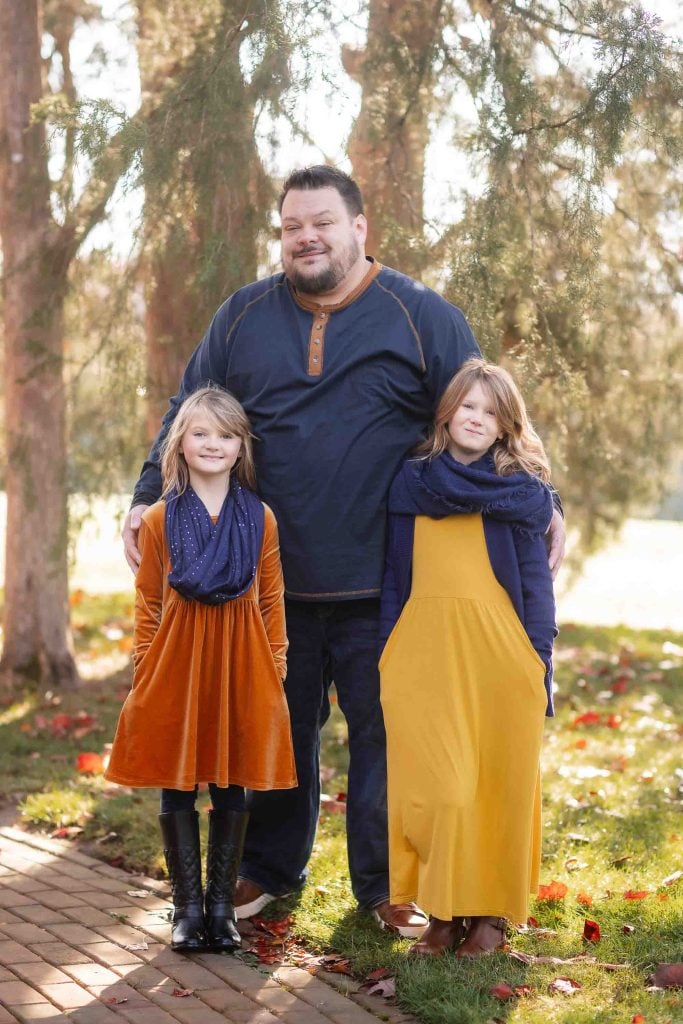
{"points": [[129, 533], [556, 538]]}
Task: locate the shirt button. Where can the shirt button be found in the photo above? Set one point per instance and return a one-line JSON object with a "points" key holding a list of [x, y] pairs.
{"points": [[316, 341], [316, 359], [318, 327]]}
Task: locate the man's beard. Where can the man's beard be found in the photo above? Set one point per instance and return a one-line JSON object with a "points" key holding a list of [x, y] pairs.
{"points": [[325, 280]]}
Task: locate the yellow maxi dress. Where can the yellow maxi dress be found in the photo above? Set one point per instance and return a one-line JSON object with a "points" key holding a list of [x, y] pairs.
{"points": [[464, 702]]}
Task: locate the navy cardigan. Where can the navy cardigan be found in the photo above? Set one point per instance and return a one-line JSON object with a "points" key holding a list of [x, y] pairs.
{"points": [[520, 564]]}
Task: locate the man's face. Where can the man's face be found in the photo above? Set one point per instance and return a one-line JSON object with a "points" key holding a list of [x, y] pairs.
{"points": [[321, 240]]}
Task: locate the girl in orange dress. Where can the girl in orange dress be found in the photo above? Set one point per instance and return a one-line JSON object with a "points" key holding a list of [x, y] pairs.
{"points": [[207, 703]]}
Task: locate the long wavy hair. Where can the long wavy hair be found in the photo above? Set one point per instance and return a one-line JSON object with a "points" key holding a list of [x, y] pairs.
{"points": [[519, 449], [226, 414]]}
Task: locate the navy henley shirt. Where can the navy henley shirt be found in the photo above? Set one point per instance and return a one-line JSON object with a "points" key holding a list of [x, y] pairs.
{"points": [[337, 395]]}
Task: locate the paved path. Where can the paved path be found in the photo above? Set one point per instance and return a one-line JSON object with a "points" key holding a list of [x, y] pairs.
{"points": [[77, 944]]}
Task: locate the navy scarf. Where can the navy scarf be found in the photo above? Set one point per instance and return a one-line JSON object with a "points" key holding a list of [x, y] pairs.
{"points": [[442, 486], [213, 563]]}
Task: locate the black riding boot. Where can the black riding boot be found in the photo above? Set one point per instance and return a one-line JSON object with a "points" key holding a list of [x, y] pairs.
{"points": [[180, 833], [226, 839]]}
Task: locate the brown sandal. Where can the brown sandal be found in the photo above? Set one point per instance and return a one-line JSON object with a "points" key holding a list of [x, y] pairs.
{"points": [[453, 931], [474, 946]]}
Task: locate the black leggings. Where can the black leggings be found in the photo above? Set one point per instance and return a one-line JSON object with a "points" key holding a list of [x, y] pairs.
{"points": [[223, 798]]}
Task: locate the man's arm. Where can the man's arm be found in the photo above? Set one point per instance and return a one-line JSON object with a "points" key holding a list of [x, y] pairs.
{"points": [[208, 364]]}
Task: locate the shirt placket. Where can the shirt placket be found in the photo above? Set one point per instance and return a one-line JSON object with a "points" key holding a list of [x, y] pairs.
{"points": [[316, 343]]}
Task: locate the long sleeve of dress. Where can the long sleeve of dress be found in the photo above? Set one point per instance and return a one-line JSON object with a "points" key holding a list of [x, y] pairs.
{"points": [[148, 592], [539, 600], [271, 594]]}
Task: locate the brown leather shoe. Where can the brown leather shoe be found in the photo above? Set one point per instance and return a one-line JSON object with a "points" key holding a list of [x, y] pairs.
{"points": [[485, 935], [405, 919], [250, 899], [439, 937]]}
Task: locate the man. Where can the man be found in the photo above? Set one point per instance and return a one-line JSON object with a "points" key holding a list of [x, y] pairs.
{"points": [[339, 363]]}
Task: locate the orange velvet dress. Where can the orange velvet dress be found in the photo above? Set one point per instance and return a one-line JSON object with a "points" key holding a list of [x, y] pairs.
{"points": [[207, 703]]}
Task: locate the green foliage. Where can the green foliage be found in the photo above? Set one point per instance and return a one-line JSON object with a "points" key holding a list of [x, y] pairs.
{"points": [[565, 264]]}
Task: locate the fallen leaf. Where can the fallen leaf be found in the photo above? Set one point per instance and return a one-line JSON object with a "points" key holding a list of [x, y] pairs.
{"points": [[647, 776], [670, 879], [613, 721], [279, 928], [90, 764], [66, 832], [638, 1018], [662, 896], [591, 930], [114, 1001], [182, 993], [584, 899], [567, 986], [385, 988], [378, 974], [668, 976], [636, 894], [578, 837], [336, 963], [554, 891], [620, 861], [139, 894], [582, 958], [587, 718], [502, 991], [524, 990], [532, 922], [134, 946], [628, 929], [581, 744]]}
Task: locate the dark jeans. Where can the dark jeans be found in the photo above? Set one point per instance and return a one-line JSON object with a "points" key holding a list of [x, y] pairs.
{"points": [[328, 640], [223, 798]]}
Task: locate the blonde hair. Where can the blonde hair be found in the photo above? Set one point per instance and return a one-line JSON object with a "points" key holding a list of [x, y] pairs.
{"points": [[520, 447], [228, 416]]}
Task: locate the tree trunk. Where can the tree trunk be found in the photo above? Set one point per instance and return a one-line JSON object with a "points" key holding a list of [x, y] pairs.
{"points": [[388, 141], [36, 621], [201, 212]]}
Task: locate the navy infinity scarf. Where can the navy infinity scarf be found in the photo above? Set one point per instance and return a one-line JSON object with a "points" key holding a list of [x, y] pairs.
{"points": [[213, 563]]}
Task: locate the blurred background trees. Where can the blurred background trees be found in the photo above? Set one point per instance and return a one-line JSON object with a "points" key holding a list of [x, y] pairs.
{"points": [[555, 127]]}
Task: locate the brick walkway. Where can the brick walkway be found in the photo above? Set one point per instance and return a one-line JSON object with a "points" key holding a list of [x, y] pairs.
{"points": [[77, 944]]}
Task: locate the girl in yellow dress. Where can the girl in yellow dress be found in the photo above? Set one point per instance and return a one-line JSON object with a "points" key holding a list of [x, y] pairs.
{"points": [[468, 622]]}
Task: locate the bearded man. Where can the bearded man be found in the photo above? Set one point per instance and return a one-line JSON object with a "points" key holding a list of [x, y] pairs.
{"points": [[339, 363]]}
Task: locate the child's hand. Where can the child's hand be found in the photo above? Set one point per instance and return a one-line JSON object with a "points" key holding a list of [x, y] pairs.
{"points": [[556, 539], [129, 534]]}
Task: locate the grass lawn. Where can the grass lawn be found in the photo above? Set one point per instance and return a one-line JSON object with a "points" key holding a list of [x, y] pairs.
{"points": [[613, 796]]}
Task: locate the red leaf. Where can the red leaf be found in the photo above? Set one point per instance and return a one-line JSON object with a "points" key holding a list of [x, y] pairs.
{"points": [[591, 930], [279, 928], [584, 899], [581, 744], [638, 1018], [60, 724], [628, 929], [636, 894], [614, 721], [668, 976], [336, 963], [502, 991], [532, 922], [90, 764], [587, 718], [378, 974], [341, 797], [554, 891], [566, 986], [670, 879], [182, 993], [524, 990]]}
